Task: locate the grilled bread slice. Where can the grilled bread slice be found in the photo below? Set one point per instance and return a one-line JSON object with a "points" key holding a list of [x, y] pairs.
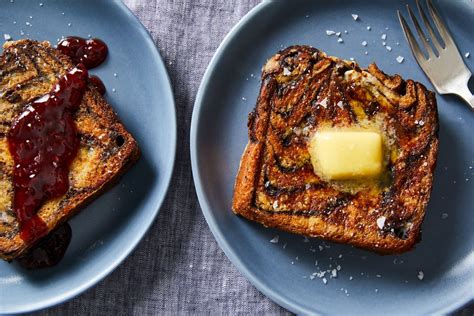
{"points": [[28, 70], [304, 90]]}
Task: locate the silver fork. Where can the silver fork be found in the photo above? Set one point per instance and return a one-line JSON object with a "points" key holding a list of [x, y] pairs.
{"points": [[444, 66]]}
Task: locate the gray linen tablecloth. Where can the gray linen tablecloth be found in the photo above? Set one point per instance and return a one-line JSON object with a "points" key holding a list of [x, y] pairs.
{"points": [[178, 268]]}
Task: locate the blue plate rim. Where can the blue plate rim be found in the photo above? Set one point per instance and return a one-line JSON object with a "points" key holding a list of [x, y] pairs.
{"points": [[204, 201], [63, 297]]}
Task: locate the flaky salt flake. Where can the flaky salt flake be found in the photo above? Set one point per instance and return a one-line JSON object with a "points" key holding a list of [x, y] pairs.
{"points": [[420, 275], [329, 32], [7, 37], [369, 28], [334, 273], [381, 222], [467, 55], [325, 281], [383, 37], [364, 43], [286, 72], [340, 40], [444, 215], [355, 17], [275, 204], [389, 48], [400, 59], [338, 34], [324, 103], [340, 104]]}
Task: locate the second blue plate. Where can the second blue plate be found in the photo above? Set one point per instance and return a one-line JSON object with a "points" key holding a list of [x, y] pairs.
{"points": [[366, 284]]}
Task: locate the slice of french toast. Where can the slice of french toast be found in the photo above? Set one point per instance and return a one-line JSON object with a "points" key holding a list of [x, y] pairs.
{"points": [[303, 91], [28, 70]]}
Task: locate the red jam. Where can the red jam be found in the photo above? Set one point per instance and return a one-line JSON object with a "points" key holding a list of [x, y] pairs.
{"points": [[43, 142], [90, 52], [49, 251], [98, 84]]}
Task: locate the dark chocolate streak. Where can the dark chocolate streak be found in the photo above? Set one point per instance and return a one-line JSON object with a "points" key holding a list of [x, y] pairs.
{"points": [[330, 207], [14, 69], [286, 139], [275, 191], [283, 168]]}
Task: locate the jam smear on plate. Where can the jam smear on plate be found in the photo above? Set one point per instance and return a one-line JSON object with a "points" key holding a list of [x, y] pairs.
{"points": [[49, 250]]}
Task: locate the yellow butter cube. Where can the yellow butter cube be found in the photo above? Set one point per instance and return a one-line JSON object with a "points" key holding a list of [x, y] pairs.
{"points": [[346, 154]]}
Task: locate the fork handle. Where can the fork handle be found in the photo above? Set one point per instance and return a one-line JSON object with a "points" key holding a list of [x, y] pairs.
{"points": [[466, 95]]}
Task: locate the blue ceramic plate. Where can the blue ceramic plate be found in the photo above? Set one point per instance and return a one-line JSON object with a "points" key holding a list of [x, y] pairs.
{"points": [[366, 283], [108, 230]]}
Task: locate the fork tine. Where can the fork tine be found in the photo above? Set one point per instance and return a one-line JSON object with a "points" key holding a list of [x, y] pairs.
{"points": [[442, 29], [434, 39], [415, 48], [421, 34]]}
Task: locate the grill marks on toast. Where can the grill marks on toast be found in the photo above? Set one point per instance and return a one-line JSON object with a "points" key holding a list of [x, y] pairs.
{"points": [[303, 90], [28, 70]]}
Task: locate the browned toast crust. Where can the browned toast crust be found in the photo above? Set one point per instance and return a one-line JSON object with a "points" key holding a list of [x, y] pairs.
{"points": [[276, 185], [28, 70]]}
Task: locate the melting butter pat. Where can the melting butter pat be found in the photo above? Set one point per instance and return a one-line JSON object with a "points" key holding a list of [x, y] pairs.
{"points": [[346, 154]]}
